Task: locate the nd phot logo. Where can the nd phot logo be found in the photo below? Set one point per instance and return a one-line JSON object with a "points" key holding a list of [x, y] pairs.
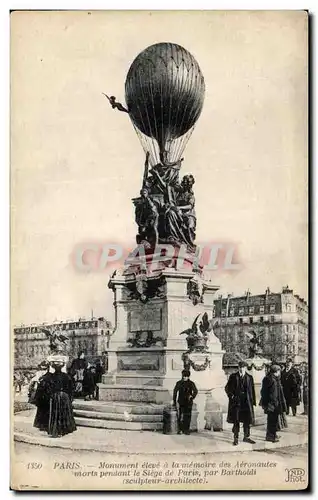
{"points": [[295, 475]]}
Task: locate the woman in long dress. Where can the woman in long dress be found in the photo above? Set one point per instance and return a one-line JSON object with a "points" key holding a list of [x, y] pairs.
{"points": [[61, 419], [41, 385]]}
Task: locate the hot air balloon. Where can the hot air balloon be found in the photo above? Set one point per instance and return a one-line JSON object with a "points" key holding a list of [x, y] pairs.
{"points": [[164, 93]]}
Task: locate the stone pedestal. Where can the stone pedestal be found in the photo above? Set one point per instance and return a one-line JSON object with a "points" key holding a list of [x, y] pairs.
{"points": [[145, 356]]}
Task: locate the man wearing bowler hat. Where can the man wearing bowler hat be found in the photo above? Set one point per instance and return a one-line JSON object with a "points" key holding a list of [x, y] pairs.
{"points": [[241, 393]]}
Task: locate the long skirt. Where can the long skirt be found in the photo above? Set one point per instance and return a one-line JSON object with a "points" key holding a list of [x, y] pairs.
{"points": [[61, 419], [41, 420], [282, 422]]}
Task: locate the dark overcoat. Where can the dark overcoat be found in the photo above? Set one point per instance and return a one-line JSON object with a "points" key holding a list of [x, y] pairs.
{"points": [[291, 382], [88, 382], [272, 395], [42, 401], [233, 391]]}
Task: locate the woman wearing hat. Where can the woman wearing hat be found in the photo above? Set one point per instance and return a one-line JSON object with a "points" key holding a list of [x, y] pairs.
{"points": [[61, 419], [273, 402]]}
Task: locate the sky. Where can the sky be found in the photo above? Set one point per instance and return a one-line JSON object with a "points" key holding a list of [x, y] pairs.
{"points": [[76, 164]]}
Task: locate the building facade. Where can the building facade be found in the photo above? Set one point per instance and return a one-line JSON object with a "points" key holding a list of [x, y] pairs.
{"points": [[279, 319], [31, 345]]}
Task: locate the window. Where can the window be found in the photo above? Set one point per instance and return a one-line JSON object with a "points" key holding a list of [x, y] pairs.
{"points": [[241, 321], [231, 312], [262, 309], [223, 313], [287, 328], [272, 319], [288, 307], [251, 310], [262, 319], [241, 311], [251, 320], [272, 308]]}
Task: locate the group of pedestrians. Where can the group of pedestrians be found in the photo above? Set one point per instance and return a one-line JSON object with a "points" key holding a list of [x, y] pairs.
{"points": [[85, 377], [53, 390], [280, 392]]}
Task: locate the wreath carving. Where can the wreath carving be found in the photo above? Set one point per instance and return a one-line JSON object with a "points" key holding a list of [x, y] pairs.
{"points": [[189, 363]]}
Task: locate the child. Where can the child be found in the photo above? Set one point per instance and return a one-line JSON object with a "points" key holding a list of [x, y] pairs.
{"points": [[184, 393]]}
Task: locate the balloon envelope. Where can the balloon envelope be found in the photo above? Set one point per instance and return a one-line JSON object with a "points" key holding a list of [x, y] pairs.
{"points": [[164, 92]]}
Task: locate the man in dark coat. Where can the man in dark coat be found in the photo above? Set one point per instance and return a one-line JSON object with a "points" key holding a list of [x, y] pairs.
{"points": [[99, 372], [76, 372], [184, 393], [291, 382], [273, 402], [241, 393], [89, 382]]}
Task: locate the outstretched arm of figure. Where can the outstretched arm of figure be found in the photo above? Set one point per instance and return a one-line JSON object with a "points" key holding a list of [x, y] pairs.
{"points": [[107, 97], [114, 104]]}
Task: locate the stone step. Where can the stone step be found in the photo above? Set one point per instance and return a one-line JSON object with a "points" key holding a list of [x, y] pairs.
{"points": [[134, 393], [118, 407], [113, 424], [120, 417], [133, 379]]}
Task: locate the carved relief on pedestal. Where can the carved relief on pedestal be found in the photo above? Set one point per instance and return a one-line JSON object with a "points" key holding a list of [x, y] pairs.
{"points": [[197, 361], [198, 334], [145, 339], [195, 290], [144, 289]]}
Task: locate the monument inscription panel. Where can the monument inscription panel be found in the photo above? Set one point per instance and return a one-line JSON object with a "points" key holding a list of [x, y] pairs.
{"points": [[143, 361], [145, 319]]}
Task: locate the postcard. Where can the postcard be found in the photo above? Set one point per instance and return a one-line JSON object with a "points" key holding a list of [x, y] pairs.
{"points": [[159, 238]]}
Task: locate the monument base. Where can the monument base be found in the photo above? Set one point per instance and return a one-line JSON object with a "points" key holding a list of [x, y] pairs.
{"points": [[146, 354]]}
